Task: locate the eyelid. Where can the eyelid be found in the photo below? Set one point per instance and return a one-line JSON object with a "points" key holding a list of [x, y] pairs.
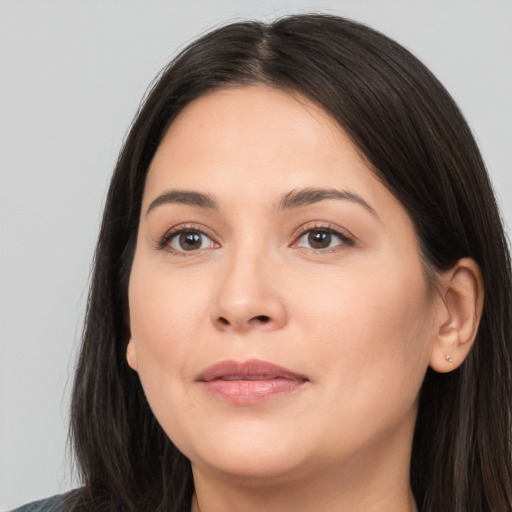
{"points": [[163, 241], [347, 237]]}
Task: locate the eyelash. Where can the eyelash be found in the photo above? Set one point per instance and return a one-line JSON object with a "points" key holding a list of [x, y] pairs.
{"points": [[165, 241], [345, 240], [330, 229]]}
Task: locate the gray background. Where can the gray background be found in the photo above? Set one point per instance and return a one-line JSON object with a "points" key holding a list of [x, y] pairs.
{"points": [[71, 76]]}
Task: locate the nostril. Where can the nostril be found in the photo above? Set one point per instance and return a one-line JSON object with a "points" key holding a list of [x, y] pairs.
{"points": [[262, 318]]}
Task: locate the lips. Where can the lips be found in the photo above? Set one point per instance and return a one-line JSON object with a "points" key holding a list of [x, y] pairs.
{"points": [[249, 382]]}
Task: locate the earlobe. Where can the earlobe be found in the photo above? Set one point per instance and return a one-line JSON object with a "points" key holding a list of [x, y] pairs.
{"points": [[131, 355], [462, 294]]}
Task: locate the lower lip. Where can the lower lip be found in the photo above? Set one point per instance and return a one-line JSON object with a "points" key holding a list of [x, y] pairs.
{"points": [[246, 392]]}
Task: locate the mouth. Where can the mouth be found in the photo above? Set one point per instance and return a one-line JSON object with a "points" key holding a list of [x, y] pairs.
{"points": [[249, 382]]}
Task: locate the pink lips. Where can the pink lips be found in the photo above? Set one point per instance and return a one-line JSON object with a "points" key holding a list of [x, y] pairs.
{"points": [[249, 382]]}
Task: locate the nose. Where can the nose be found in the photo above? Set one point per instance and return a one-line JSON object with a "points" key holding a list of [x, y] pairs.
{"points": [[249, 295]]}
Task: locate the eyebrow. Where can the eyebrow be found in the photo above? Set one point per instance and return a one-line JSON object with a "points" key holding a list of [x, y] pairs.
{"points": [[293, 199], [188, 197], [307, 196]]}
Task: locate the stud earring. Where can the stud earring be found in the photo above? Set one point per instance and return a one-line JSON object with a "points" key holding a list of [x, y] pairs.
{"points": [[449, 358]]}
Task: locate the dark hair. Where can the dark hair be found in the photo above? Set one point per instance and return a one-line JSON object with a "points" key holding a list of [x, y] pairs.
{"points": [[418, 144]]}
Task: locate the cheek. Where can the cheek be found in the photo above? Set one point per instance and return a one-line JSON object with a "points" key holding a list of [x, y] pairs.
{"points": [[372, 331], [165, 313], [164, 318]]}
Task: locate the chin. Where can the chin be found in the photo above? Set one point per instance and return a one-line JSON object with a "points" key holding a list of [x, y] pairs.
{"points": [[253, 455], [257, 471]]}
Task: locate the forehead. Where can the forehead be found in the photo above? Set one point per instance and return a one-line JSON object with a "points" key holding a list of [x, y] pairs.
{"points": [[251, 132]]}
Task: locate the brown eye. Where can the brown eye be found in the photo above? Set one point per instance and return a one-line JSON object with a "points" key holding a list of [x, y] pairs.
{"points": [[319, 239], [190, 241]]}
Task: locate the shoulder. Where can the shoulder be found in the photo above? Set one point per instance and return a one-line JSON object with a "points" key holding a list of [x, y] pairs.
{"points": [[53, 504]]}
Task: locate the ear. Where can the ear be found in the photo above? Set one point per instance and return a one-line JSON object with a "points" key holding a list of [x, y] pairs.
{"points": [[131, 355], [462, 300]]}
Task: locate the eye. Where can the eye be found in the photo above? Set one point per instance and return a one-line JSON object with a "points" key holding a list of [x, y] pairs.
{"points": [[322, 238], [189, 240]]}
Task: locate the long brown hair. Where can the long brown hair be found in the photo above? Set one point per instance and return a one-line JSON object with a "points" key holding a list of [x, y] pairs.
{"points": [[413, 135]]}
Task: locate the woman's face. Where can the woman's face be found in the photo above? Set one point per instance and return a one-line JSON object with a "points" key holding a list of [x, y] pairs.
{"points": [[281, 322]]}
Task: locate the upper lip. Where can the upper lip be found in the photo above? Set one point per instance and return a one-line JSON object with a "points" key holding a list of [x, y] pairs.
{"points": [[253, 369]]}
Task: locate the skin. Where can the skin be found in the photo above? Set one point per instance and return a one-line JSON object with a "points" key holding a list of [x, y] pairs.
{"points": [[356, 318]]}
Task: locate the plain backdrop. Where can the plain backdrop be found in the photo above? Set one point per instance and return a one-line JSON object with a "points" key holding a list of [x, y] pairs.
{"points": [[71, 76]]}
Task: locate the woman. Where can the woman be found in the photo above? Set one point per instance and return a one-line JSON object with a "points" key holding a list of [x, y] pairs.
{"points": [[287, 309]]}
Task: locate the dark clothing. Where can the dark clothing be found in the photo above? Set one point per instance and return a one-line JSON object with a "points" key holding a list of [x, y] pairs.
{"points": [[53, 504]]}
